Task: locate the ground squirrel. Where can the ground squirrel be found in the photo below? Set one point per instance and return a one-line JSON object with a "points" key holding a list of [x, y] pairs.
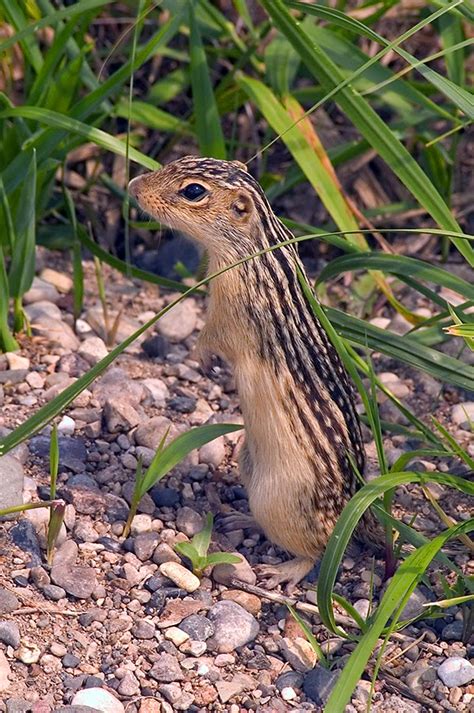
{"points": [[296, 399]]}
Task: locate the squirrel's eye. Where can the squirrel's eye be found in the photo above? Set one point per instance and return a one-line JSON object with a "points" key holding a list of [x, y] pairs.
{"points": [[193, 192]]}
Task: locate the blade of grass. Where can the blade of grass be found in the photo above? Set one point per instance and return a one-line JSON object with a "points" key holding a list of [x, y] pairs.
{"points": [[208, 123]]}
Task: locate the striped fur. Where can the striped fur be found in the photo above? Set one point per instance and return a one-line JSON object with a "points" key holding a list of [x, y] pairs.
{"points": [[296, 398]]}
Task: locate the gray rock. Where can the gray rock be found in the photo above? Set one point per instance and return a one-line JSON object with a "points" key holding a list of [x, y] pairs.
{"points": [[41, 290], [452, 631], [166, 669], [180, 322], [10, 633], [189, 521], [51, 591], [70, 660], [199, 627], [11, 478], [24, 535], [37, 310], [79, 582], [414, 606], [291, 679], [144, 545], [8, 602], [318, 684], [238, 684], [117, 384], [456, 671], [143, 630], [233, 627], [17, 705]]}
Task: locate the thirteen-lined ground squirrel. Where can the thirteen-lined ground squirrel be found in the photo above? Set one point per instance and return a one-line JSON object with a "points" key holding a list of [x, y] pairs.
{"points": [[296, 399]]}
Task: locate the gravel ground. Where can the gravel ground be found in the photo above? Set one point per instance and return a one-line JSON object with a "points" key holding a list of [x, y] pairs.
{"points": [[119, 624]]}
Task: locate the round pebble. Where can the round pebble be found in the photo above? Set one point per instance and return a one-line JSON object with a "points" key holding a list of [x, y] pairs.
{"points": [[456, 671]]}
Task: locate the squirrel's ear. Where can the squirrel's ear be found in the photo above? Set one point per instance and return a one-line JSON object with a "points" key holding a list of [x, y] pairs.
{"points": [[242, 206], [239, 164]]}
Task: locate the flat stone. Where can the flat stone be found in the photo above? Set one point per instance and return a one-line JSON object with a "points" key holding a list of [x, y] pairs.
{"points": [[57, 332], [176, 610], [189, 521], [225, 573], [62, 282], [233, 625], [10, 633], [79, 581], [98, 698], [16, 361], [8, 602], [51, 591], [248, 601], [299, 654], [143, 629], [24, 536], [166, 669], [120, 415], [238, 684], [456, 671], [39, 291], [151, 432], [12, 479], [318, 684], [180, 322], [181, 576]]}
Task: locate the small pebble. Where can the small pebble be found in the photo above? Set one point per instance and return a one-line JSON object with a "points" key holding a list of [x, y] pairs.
{"points": [[181, 576]]}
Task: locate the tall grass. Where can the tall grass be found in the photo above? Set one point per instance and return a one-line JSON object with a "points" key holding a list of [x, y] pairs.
{"points": [[277, 69]]}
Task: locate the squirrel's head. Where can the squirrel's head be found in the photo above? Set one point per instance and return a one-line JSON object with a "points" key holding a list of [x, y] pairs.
{"points": [[215, 202]]}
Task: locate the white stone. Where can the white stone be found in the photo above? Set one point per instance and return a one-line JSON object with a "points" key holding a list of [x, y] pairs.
{"points": [[141, 523], [456, 671], [181, 576], [35, 380], [288, 693], [15, 361], [93, 349], [158, 391], [83, 327], [179, 322], [463, 415], [66, 426], [98, 698]]}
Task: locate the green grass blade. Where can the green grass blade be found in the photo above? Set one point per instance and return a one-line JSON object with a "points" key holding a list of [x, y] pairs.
{"points": [[7, 342], [369, 123], [398, 591], [148, 115], [351, 515], [207, 119], [22, 266], [97, 136], [441, 366], [183, 444], [398, 265], [312, 165], [202, 539]]}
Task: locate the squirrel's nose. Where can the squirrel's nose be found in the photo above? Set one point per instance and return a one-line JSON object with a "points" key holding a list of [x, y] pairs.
{"points": [[134, 186]]}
